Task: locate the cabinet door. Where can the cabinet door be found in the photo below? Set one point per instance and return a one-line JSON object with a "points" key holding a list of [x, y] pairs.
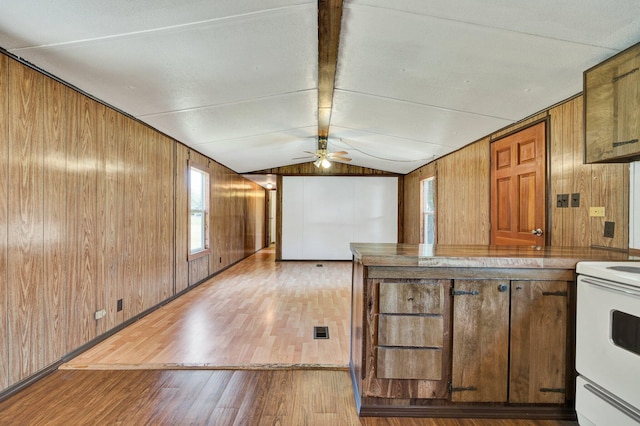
{"points": [[612, 100], [538, 342], [480, 341]]}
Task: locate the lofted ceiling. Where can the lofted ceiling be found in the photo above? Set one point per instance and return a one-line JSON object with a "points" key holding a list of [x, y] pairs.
{"points": [[239, 80]]}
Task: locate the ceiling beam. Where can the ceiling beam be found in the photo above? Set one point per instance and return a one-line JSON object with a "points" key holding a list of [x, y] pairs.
{"points": [[329, 17]]}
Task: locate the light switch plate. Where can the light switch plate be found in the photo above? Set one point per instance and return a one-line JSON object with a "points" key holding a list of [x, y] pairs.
{"points": [[596, 211]]}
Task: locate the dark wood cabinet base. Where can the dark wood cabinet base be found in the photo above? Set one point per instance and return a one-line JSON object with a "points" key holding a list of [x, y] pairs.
{"points": [[429, 408]]}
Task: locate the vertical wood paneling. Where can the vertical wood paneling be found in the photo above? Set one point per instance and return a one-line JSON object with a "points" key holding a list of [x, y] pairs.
{"points": [[218, 240], [598, 185], [101, 226], [556, 184], [117, 291], [580, 232], [72, 198], [93, 209], [140, 243], [165, 215], [463, 196], [55, 219], [84, 327], [149, 229], [4, 223], [25, 218], [128, 234], [112, 208], [182, 219], [567, 171], [611, 190]]}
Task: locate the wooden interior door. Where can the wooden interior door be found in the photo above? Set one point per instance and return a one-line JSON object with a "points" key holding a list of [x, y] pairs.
{"points": [[518, 194]]}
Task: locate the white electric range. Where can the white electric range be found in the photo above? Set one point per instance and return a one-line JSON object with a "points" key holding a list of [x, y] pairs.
{"points": [[608, 344]]}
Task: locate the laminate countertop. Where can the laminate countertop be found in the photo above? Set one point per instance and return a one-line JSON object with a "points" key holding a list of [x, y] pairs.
{"points": [[481, 256]]}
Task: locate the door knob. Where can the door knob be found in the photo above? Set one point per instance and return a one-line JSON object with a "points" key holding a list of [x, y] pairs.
{"points": [[537, 232]]}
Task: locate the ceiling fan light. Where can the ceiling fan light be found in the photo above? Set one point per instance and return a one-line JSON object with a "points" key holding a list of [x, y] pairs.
{"points": [[326, 163], [317, 163]]}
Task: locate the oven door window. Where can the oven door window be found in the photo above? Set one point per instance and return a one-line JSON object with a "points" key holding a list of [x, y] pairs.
{"points": [[625, 331]]}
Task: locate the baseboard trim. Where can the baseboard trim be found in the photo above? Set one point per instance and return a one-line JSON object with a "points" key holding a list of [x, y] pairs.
{"points": [[475, 412]]}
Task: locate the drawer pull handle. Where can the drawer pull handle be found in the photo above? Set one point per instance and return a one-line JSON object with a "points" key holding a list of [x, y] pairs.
{"points": [[614, 79], [455, 292], [617, 144], [554, 293], [461, 389], [555, 390], [410, 299]]}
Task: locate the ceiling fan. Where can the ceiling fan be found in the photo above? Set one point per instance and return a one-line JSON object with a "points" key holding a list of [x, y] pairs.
{"points": [[324, 157]]}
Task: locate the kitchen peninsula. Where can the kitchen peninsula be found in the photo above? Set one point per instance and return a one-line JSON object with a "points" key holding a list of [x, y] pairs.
{"points": [[465, 331]]}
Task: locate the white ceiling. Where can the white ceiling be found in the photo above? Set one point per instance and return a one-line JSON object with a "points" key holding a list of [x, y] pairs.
{"points": [[237, 80]]}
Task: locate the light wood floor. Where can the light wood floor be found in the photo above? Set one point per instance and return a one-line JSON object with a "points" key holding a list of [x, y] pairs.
{"points": [[237, 350], [257, 314]]}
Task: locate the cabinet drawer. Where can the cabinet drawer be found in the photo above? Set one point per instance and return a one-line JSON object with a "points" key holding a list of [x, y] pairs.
{"points": [[404, 330], [412, 298], [398, 363]]}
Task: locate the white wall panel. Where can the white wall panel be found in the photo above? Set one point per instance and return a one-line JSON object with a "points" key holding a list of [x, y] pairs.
{"points": [[292, 217], [321, 216]]}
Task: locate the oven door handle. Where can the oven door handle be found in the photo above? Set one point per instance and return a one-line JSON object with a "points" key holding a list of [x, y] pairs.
{"points": [[617, 287], [633, 414]]}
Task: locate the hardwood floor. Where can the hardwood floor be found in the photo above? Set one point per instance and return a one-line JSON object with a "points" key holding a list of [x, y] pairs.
{"points": [[204, 397], [237, 350], [257, 314]]}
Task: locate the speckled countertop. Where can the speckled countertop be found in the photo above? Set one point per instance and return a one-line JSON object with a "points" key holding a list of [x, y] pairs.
{"points": [[481, 256]]}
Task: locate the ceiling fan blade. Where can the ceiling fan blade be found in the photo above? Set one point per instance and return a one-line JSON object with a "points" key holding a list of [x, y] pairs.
{"points": [[339, 153], [345, 159], [303, 158], [315, 154]]}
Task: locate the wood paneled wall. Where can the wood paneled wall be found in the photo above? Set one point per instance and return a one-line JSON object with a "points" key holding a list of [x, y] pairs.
{"points": [[599, 185], [462, 180], [462, 211], [93, 209], [236, 219], [4, 222]]}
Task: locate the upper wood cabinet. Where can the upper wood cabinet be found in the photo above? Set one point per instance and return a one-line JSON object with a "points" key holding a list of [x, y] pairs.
{"points": [[612, 108]]}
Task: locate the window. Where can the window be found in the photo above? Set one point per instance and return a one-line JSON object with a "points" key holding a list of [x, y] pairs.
{"points": [[199, 211], [428, 211]]}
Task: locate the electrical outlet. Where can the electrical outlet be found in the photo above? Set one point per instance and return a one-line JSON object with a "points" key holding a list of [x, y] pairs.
{"points": [[100, 314], [575, 199], [596, 211], [609, 228]]}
